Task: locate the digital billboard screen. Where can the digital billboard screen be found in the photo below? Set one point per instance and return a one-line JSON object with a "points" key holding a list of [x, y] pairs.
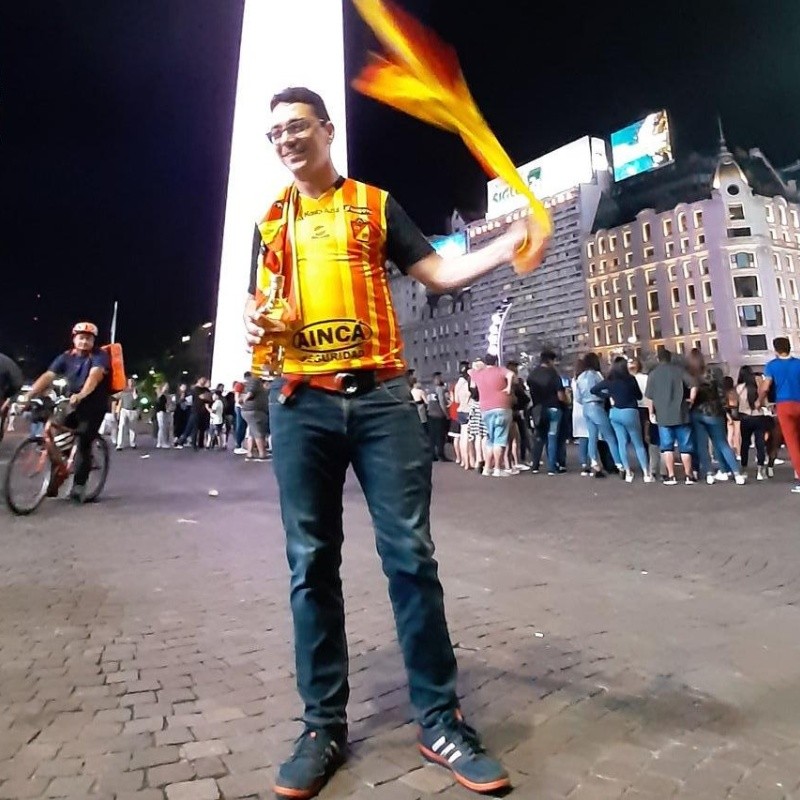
{"points": [[641, 147]]}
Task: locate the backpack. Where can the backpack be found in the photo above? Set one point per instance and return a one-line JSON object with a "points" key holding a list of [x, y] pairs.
{"points": [[116, 376]]}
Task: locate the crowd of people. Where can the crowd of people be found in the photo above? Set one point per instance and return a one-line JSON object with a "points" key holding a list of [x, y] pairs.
{"points": [[623, 422]]}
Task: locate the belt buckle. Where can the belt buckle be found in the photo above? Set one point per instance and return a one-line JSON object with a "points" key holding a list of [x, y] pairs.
{"points": [[347, 382]]}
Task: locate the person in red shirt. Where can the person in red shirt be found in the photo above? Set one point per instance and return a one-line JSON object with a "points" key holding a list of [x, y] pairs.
{"points": [[494, 395]]}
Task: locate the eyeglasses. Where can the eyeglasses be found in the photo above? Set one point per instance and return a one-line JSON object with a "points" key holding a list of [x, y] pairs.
{"points": [[294, 127]]}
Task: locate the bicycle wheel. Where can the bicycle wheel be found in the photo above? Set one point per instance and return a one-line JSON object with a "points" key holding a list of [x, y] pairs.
{"points": [[99, 471], [27, 476]]}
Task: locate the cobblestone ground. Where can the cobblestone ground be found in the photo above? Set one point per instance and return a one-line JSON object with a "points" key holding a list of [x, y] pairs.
{"points": [[614, 641]]}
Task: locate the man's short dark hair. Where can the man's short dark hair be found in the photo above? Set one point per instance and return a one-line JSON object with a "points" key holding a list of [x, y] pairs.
{"points": [[300, 94], [490, 360], [248, 374], [664, 355], [512, 365], [782, 345], [546, 356]]}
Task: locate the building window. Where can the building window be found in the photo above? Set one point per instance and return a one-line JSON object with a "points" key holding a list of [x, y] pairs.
{"points": [[776, 262], [680, 348], [782, 215], [698, 219], [633, 302], [615, 262], [593, 290], [785, 317], [650, 277], [739, 233], [676, 296], [667, 227], [649, 252], [703, 266], [697, 344], [603, 265], [682, 222], [679, 330], [770, 214], [690, 294], [646, 232], [743, 260], [612, 242], [687, 270], [684, 245], [693, 321], [635, 330], [746, 286], [750, 316], [620, 333], [655, 328], [626, 238], [671, 272], [773, 235], [669, 249], [604, 288], [701, 239], [793, 288], [595, 312], [797, 317], [711, 320], [630, 281], [607, 309], [618, 307], [706, 290], [597, 341], [713, 346], [736, 212], [754, 343], [781, 288], [591, 269], [628, 259], [652, 301], [608, 334], [789, 263], [615, 285]]}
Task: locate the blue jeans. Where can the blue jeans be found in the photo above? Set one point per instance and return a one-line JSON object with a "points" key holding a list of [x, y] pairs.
{"points": [[627, 427], [706, 427], [239, 428], [597, 423], [583, 451], [548, 430], [315, 438]]}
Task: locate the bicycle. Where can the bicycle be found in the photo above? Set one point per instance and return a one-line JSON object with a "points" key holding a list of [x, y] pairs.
{"points": [[41, 465]]}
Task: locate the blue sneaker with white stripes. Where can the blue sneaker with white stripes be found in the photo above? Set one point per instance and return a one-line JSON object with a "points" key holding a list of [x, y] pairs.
{"points": [[453, 744]]}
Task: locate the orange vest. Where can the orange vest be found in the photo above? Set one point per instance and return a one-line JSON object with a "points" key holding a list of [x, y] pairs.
{"points": [[331, 252]]}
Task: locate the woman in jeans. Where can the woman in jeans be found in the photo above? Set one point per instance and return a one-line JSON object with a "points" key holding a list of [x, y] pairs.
{"points": [[709, 420], [754, 423], [623, 389], [594, 412]]}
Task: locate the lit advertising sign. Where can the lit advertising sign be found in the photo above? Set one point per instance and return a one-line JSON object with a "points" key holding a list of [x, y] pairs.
{"points": [[641, 147], [546, 176], [453, 245], [268, 62]]}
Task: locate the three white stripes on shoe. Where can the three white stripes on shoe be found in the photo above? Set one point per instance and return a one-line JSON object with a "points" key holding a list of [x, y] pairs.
{"points": [[441, 744]]}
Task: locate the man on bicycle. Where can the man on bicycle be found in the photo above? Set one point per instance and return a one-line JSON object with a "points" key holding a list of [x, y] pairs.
{"points": [[85, 368], [10, 382]]}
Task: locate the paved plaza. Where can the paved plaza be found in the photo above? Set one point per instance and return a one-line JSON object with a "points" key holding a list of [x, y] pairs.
{"points": [[614, 640]]}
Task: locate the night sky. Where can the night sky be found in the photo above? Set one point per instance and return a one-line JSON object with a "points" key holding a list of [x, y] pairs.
{"points": [[116, 125]]}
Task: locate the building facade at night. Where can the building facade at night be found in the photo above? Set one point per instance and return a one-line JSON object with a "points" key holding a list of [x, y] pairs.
{"points": [[719, 272]]}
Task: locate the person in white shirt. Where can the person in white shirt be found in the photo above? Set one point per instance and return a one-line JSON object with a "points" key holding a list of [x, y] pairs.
{"points": [[462, 397], [217, 420]]}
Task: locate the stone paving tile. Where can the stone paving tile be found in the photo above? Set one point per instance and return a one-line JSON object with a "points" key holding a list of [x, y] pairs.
{"points": [[602, 657]]}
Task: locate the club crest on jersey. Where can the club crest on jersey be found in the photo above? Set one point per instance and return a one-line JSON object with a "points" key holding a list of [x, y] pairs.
{"points": [[360, 228], [332, 335]]}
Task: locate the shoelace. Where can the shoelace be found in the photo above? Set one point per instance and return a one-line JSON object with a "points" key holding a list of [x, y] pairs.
{"points": [[464, 736], [310, 744]]}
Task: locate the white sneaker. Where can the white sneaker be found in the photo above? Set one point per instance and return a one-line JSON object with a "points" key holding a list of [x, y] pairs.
{"points": [[761, 475], [487, 473], [722, 476], [239, 451], [779, 461], [628, 477], [649, 479], [513, 471], [740, 479], [770, 472], [523, 467], [710, 480]]}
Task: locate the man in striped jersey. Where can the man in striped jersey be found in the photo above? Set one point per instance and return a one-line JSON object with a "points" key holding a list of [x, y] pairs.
{"points": [[343, 399]]}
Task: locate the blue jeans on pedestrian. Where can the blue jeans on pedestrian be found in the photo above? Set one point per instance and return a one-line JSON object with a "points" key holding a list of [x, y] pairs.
{"points": [[315, 437], [583, 451], [239, 428], [597, 423], [548, 431], [705, 427], [628, 427]]}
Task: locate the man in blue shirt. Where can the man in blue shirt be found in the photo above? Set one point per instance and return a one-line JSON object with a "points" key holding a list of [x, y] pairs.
{"points": [[784, 374], [85, 368]]}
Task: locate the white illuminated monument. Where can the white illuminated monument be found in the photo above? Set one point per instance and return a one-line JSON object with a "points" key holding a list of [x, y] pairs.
{"points": [[297, 43]]}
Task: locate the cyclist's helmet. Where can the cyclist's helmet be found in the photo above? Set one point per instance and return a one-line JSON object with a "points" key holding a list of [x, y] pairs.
{"points": [[85, 327]]}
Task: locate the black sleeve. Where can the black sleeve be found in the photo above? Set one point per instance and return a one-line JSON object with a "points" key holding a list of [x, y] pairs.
{"points": [[251, 289], [600, 389], [405, 244]]}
